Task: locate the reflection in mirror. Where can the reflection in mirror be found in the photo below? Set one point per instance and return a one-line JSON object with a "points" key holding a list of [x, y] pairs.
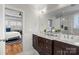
{"points": [[70, 24], [76, 21], [76, 24], [66, 20]]}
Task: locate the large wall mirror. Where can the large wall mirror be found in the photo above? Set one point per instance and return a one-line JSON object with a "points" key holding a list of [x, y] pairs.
{"points": [[70, 24], [67, 21]]}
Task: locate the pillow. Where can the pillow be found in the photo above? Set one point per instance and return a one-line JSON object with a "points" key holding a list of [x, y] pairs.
{"points": [[8, 29]]}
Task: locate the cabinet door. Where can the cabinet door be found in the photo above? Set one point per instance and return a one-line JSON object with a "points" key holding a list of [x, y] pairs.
{"points": [[41, 45], [58, 50], [35, 42], [48, 46], [64, 48], [45, 46], [70, 50]]}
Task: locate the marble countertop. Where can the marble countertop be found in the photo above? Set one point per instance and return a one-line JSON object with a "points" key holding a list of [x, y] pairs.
{"points": [[70, 39]]}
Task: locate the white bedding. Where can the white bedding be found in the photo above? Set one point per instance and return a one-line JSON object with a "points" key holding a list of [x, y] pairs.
{"points": [[12, 34]]}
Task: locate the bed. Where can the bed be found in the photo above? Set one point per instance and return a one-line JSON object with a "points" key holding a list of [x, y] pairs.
{"points": [[13, 43], [13, 36]]}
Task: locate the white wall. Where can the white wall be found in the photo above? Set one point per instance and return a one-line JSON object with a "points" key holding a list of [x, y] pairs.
{"points": [[2, 30], [2, 23], [31, 25], [43, 23], [2, 47]]}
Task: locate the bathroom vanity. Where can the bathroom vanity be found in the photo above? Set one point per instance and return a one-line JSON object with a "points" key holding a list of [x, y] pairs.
{"points": [[50, 45]]}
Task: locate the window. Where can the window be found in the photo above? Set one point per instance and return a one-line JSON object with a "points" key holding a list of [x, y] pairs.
{"points": [[76, 21]]}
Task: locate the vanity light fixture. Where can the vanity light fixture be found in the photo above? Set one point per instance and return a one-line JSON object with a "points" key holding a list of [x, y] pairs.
{"points": [[62, 26], [63, 18], [43, 11]]}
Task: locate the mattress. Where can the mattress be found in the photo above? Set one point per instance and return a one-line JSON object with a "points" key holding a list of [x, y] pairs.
{"points": [[12, 35]]}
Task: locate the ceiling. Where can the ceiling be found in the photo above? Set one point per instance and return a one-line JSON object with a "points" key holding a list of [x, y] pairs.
{"points": [[40, 6], [65, 10], [48, 7], [52, 9]]}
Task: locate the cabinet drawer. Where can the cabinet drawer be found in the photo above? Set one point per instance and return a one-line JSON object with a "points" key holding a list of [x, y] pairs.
{"points": [[60, 51], [63, 45], [65, 49]]}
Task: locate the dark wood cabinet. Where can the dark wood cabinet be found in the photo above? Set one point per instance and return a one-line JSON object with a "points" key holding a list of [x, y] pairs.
{"points": [[61, 48], [42, 45], [52, 47], [35, 42]]}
